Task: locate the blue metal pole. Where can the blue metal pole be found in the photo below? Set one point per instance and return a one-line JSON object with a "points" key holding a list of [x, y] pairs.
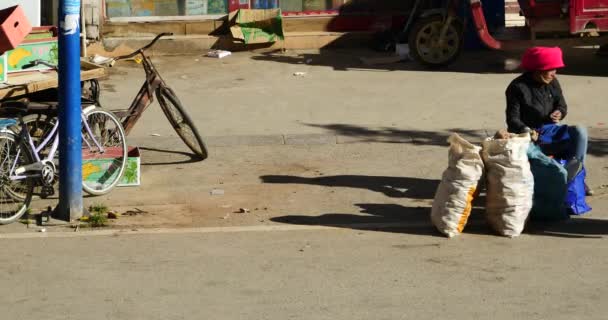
{"points": [[70, 154]]}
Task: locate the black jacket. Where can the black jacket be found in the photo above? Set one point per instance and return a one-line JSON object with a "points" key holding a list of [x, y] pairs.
{"points": [[530, 103]]}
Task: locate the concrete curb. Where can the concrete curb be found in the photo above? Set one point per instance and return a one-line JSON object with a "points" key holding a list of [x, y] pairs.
{"points": [[204, 230]]}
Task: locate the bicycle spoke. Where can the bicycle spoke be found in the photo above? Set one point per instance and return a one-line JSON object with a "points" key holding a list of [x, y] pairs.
{"points": [[14, 194], [104, 157]]}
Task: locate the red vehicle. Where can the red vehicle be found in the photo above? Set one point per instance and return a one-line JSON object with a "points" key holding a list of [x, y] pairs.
{"points": [[436, 37]]}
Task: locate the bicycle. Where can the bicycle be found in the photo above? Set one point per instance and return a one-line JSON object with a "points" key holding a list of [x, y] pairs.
{"points": [[25, 165], [169, 103]]}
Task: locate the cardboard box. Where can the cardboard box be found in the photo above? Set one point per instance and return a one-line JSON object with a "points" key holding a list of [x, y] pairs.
{"points": [[256, 25], [14, 27], [131, 177]]}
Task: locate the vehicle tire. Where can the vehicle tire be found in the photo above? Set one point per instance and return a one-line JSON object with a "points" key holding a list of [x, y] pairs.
{"points": [[15, 195], [99, 177], [181, 122], [425, 46]]}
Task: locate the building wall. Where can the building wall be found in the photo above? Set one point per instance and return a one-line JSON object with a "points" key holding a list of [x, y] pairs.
{"points": [[31, 8], [93, 14], [130, 18], [176, 8]]}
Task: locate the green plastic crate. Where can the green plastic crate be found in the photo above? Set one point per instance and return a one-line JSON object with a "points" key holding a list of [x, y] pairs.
{"points": [[26, 52], [3, 68], [41, 44]]}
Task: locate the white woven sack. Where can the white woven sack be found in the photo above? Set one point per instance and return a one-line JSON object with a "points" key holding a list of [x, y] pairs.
{"points": [[510, 184], [453, 200]]}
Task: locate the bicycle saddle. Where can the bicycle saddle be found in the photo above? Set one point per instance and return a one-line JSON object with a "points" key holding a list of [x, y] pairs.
{"points": [[13, 108]]}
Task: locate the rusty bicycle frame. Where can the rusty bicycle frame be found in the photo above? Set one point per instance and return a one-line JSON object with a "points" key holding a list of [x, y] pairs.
{"points": [[170, 104]]}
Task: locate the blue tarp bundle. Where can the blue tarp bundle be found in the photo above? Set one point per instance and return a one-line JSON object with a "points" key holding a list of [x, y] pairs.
{"points": [[575, 199], [550, 186], [550, 180]]}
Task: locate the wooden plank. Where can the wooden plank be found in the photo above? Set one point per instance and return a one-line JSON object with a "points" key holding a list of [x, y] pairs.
{"points": [[24, 83]]}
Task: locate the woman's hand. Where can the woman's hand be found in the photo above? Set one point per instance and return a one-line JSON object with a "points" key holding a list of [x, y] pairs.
{"points": [[556, 116], [534, 135]]}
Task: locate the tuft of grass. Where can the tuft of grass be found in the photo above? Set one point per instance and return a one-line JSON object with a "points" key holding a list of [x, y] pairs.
{"points": [[98, 208], [99, 215], [98, 220]]}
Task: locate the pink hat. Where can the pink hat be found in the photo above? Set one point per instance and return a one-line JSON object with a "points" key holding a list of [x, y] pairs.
{"points": [[542, 58]]}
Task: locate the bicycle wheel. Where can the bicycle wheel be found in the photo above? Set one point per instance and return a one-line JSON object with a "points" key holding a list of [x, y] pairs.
{"points": [[102, 168], [40, 126], [15, 195], [181, 122]]}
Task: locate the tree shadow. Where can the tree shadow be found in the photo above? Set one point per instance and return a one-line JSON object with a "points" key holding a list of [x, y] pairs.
{"points": [[598, 137], [598, 142], [575, 227], [396, 218], [375, 217], [394, 187], [580, 61], [355, 133], [598, 147], [392, 218]]}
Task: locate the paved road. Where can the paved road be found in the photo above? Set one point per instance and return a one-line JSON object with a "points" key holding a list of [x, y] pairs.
{"points": [[315, 274]]}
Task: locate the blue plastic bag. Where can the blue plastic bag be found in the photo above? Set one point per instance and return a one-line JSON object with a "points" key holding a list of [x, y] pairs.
{"points": [[553, 133], [575, 201], [552, 139], [550, 187]]}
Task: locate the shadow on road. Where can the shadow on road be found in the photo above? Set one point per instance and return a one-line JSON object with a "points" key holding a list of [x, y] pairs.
{"points": [[385, 218], [577, 227], [393, 135], [598, 141], [184, 157], [598, 147], [415, 221], [374, 218], [579, 61], [394, 187]]}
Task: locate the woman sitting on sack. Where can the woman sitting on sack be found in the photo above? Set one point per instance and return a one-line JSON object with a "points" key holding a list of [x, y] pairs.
{"points": [[536, 104]]}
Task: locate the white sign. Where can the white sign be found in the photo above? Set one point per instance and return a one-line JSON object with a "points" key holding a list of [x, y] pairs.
{"points": [[70, 24]]}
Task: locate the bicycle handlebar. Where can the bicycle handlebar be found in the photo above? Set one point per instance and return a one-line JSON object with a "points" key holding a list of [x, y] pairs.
{"points": [[136, 52], [37, 62]]}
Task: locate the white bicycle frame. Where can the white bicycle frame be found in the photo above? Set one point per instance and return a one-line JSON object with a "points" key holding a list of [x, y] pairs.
{"points": [[17, 172]]}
